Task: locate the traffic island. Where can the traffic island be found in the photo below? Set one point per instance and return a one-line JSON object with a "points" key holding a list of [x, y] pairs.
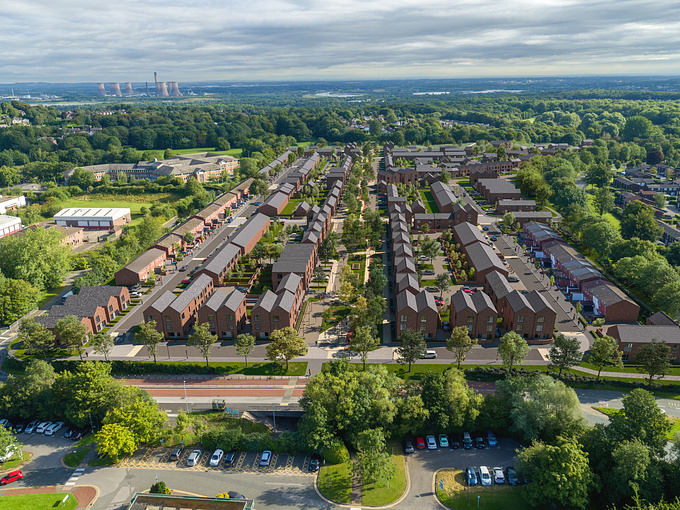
{"points": [[453, 492]]}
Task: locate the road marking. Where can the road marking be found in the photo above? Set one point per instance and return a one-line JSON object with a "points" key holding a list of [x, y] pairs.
{"points": [[133, 352], [67, 484], [292, 484]]}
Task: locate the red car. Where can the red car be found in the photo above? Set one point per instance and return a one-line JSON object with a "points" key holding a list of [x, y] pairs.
{"points": [[12, 477], [438, 301], [420, 443], [186, 280]]}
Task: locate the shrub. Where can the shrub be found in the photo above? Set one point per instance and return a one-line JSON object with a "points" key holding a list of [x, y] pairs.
{"points": [[159, 488], [290, 442], [336, 453], [255, 442], [223, 438]]}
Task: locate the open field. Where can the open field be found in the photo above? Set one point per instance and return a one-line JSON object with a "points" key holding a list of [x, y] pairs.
{"points": [[37, 502], [196, 150]]}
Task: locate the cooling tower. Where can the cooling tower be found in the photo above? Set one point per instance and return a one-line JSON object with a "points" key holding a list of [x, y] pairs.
{"points": [[101, 90], [173, 88], [128, 88], [161, 89], [115, 90]]}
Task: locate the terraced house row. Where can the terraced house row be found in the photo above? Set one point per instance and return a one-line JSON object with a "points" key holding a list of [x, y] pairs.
{"points": [[289, 185]]}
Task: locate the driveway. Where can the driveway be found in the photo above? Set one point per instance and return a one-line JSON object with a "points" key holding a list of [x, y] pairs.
{"points": [[423, 464]]}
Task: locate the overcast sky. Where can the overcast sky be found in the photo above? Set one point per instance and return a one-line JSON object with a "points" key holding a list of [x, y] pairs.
{"points": [[197, 40]]}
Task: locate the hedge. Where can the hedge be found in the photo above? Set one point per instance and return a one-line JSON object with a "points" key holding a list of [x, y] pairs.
{"points": [[336, 453]]}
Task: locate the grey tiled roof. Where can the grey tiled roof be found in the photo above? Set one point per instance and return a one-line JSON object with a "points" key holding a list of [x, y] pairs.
{"points": [[234, 300], [191, 292], [499, 284], [163, 302], [249, 229], [468, 234], [267, 301], [517, 301], [290, 282], [294, 259], [218, 262], [645, 334], [538, 302], [145, 259]]}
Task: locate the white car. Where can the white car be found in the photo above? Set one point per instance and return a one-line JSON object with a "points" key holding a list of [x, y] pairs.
{"points": [[54, 428], [266, 458], [216, 458], [42, 427], [431, 442], [484, 476], [498, 476], [194, 458], [30, 428]]}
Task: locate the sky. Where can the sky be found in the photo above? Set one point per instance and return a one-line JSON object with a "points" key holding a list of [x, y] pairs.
{"points": [[269, 40]]}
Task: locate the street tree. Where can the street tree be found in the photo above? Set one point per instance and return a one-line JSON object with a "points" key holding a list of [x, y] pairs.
{"points": [[363, 342], [560, 474], [604, 353], [654, 359], [411, 348], [17, 298], [35, 336], [637, 220], [116, 441], [508, 219], [245, 344], [143, 418], [102, 344], [71, 332], [285, 344], [346, 291], [513, 349], [460, 344], [448, 399], [430, 248], [376, 468], [565, 352], [443, 282], [149, 337], [203, 340]]}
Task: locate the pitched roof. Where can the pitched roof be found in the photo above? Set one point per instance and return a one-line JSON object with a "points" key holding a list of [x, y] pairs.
{"points": [[145, 259], [192, 291], [249, 229], [294, 259], [499, 284], [290, 282], [223, 258], [629, 333], [538, 302], [266, 301], [467, 233], [482, 257]]}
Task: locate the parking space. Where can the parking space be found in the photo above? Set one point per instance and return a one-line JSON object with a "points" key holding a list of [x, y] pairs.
{"points": [[244, 462]]}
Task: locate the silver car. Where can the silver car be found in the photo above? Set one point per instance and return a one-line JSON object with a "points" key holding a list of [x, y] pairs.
{"points": [[194, 458]]}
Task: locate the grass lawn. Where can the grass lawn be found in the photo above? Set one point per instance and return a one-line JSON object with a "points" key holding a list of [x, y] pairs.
{"points": [[455, 495], [87, 440], [335, 482], [339, 313], [428, 200], [609, 217], [627, 369], [74, 459], [233, 367], [15, 462], [47, 295], [37, 502], [383, 495], [231, 152], [107, 461], [200, 422]]}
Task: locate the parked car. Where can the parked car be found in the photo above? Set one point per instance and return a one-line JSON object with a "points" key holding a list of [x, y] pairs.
{"points": [[484, 475], [431, 289], [79, 434], [408, 446], [30, 428], [194, 458], [467, 441], [494, 238], [266, 458], [40, 429], [471, 476], [176, 454], [512, 477], [479, 442], [490, 438], [430, 355], [429, 272], [420, 443], [216, 457], [498, 476], [258, 203], [186, 280], [454, 441], [423, 257], [12, 477], [443, 441], [19, 428], [6, 423], [446, 326], [54, 428], [135, 295], [438, 301], [485, 228], [183, 268], [230, 458], [314, 465], [431, 443]]}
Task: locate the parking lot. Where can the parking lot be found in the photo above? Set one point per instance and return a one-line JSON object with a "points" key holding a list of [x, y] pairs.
{"points": [[245, 462]]}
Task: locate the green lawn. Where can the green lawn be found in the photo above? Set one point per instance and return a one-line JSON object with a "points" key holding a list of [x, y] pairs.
{"points": [[339, 313], [455, 495], [609, 217], [627, 369], [383, 495], [223, 367], [428, 200], [74, 459], [47, 295], [37, 502], [335, 482], [231, 152], [16, 461]]}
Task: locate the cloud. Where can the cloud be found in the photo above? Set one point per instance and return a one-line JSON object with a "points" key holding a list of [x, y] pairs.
{"points": [[197, 40]]}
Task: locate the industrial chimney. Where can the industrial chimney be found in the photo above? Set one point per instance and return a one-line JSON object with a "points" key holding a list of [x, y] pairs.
{"points": [[101, 90], [162, 90], [128, 88], [115, 90], [173, 88]]}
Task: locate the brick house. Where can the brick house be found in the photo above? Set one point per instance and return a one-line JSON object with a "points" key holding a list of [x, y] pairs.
{"points": [[631, 337], [250, 233], [418, 313], [274, 204], [220, 263], [226, 314], [300, 259], [496, 189], [168, 244], [141, 267], [610, 302], [475, 312], [273, 312], [504, 206], [530, 316], [484, 259]]}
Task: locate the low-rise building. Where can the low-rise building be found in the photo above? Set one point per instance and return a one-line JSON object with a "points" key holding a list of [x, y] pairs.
{"points": [[225, 313], [9, 225], [141, 267], [631, 337], [250, 233], [417, 312], [219, 264], [273, 311], [476, 312], [300, 259], [94, 218]]}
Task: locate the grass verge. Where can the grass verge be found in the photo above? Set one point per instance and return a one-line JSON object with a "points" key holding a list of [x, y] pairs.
{"points": [[107, 461], [16, 462], [37, 502], [455, 495], [335, 482], [86, 441], [384, 495], [74, 459]]}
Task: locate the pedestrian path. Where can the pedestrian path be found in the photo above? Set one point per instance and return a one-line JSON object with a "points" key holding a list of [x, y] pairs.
{"points": [[74, 477]]}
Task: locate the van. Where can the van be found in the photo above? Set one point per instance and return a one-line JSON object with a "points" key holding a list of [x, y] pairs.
{"points": [[484, 475], [430, 355], [229, 459], [467, 441]]}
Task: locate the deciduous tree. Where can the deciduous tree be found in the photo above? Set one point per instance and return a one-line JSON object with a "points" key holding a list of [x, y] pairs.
{"points": [[513, 349], [411, 348], [116, 441], [245, 344], [71, 332], [604, 353], [654, 359], [363, 342], [149, 337], [203, 340], [285, 345], [143, 418], [460, 344], [102, 344], [565, 352]]}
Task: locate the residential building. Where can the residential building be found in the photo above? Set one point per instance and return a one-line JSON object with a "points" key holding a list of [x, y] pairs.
{"points": [[476, 312], [141, 267], [300, 259], [225, 313], [250, 233], [417, 312], [273, 311], [631, 337], [220, 263]]}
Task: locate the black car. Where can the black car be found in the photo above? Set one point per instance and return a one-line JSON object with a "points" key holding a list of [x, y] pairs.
{"points": [[479, 442], [314, 465], [454, 441], [176, 454], [69, 432], [78, 434], [19, 428]]}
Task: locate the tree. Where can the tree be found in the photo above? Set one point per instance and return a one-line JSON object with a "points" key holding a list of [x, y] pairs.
{"points": [[346, 291], [285, 345], [541, 407], [161, 488], [71, 332], [17, 298], [411, 348], [149, 337], [654, 359], [641, 418], [603, 201], [245, 344], [102, 344], [430, 248], [203, 340], [513, 349], [508, 219], [149, 230], [637, 220], [116, 441], [600, 236], [637, 126], [565, 352], [143, 418], [82, 178], [9, 443], [604, 353], [460, 343], [449, 400], [630, 471], [443, 282], [189, 237], [30, 394], [660, 200], [560, 474], [363, 342]]}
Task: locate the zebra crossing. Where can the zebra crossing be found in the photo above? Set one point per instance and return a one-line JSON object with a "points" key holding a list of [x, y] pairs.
{"points": [[74, 477]]}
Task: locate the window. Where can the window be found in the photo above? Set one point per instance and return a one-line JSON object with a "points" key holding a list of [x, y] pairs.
{"points": [[519, 327], [257, 327], [470, 318], [275, 318], [403, 327], [541, 319], [489, 327], [168, 326], [404, 318], [110, 308], [423, 327], [182, 315], [539, 327], [97, 319], [229, 317], [674, 349], [491, 319], [230, 325], [211, 317], [520, 318], [211, 325], [423, 318], [469, 328], [149, 318], [256, 317], [628, 347]]}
